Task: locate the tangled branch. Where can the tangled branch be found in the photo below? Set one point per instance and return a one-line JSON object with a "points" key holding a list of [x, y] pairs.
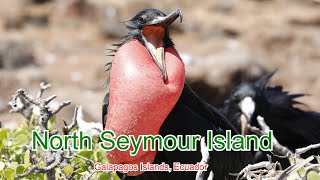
{"points": [[37, 169], [23, 102], [42, 104], [270, 170], [266, 170]]}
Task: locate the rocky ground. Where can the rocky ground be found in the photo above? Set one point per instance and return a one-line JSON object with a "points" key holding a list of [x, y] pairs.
{"points": [[222, 43]]}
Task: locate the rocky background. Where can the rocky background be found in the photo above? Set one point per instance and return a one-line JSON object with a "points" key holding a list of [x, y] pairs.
{"points": [[222, 43]]}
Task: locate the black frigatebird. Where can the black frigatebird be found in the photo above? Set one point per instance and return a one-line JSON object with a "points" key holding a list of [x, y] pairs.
{"points": [[148, 95], [292, 126]]}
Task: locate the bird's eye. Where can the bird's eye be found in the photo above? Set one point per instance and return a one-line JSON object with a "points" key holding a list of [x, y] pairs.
{"points": [[141, 20], [236, 96]]}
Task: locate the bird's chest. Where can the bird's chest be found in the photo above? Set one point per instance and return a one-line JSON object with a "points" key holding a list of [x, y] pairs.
{"points": [[140, 101], [137, 91]]}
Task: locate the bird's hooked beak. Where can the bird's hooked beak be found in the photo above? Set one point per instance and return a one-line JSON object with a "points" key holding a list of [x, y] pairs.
{"points": [[247, 106], [153, 36]]}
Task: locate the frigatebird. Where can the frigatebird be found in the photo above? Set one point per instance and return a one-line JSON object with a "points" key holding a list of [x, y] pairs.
{"points": [[292, 127], [148, 95]]}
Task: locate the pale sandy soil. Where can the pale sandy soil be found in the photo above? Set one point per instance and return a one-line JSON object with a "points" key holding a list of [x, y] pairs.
{"points": [[222, 36]]}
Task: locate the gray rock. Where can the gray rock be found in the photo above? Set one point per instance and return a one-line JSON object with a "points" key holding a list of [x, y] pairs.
{"points": [[15, 54], [110, 23], [3, 105]]}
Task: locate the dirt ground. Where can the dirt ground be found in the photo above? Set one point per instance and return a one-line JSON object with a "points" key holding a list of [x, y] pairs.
{"points": [[221, 42]]}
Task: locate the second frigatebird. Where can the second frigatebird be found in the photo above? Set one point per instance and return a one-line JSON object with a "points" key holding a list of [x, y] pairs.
{"points": [[292, 127], [148, 95]]}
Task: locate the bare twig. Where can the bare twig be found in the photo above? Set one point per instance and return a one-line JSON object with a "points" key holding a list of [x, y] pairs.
{"points": [[308, 148], [83, 158], [88, 128], [313, 167], [21, 106], [45, 114], [277, 147], [279, 150], [26, 95], [263, 170], [49, 99], [61, 106], [204, 160], [287, 172], [43, 87], [37, 169], [74, 123], [91, 174], [255, 130]]}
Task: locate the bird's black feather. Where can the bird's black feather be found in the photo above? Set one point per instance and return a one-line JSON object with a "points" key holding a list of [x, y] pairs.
{"points": [[293, 127], [191, 115], [192, 100], [222, 163], [282, 99], [105, 105], [264, 80]]}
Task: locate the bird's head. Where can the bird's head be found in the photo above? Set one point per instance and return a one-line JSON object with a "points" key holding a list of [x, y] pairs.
{"points": [[245, 100], [150, 27]]}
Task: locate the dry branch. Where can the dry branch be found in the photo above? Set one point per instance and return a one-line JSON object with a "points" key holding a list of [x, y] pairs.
{"points": [[51, 159], [43, 87], [74, 123], [267, 170], [308, 148], [26, 104], [277, 147], [36, 169]]}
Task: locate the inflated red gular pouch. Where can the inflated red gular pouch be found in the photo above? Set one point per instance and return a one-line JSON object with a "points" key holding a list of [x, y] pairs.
{"points": [[139, 99]]}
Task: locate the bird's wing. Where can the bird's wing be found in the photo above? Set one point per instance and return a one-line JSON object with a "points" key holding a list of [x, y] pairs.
{"points": [[105, 102], [184, 120], [282, 99], [193, 101], [301, 127], [105, 105]]}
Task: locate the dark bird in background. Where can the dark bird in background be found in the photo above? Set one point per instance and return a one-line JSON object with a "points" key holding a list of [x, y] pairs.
{"points": [[292, 127], [160, 102]]}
